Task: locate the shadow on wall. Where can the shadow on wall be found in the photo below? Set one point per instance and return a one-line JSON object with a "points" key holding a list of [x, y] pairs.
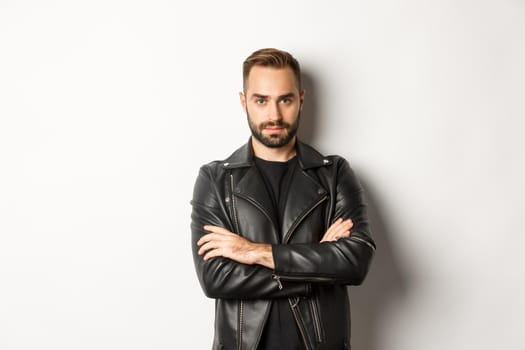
{"points": [[309, 127], [387, 282]]}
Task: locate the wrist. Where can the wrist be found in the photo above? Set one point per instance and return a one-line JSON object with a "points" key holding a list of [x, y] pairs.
{"points": [[264, 255]]}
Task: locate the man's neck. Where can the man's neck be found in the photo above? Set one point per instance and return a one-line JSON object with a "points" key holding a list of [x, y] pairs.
{"points": [[279, 154]]}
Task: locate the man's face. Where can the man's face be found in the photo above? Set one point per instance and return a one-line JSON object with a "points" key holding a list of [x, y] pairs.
{"points": [[272, 102]]}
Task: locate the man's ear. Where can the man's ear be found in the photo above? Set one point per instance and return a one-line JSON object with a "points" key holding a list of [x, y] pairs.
{"points": [[242, 97], [301, 99]]}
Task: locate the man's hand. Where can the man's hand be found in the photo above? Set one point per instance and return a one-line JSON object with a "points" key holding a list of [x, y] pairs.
{"points": [[221, 242], [339, 229]]}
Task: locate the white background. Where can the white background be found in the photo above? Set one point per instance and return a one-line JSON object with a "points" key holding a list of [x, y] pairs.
{"points": [[108, 108]]}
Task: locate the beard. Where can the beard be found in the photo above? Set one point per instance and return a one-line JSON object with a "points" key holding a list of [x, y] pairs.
{"points": [[274, 140]]}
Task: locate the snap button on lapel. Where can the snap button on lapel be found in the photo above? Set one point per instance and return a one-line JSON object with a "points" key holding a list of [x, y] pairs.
{"points": [[326, 161]]}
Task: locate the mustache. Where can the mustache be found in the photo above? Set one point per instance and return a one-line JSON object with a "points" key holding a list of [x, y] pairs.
{"points": [[279, 124]]}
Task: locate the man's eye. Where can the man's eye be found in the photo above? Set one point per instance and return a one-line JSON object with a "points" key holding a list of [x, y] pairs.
{"points": [[260, 101], [286, 100]]}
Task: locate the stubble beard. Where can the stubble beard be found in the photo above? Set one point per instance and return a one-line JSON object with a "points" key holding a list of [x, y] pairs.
{"points": [[274, 140]]}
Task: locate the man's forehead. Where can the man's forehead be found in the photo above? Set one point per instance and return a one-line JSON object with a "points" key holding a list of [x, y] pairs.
{"points": [[265, 80]]}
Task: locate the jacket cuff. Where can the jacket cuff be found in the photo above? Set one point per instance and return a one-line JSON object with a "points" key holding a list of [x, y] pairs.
{"points": [[279, 256]]}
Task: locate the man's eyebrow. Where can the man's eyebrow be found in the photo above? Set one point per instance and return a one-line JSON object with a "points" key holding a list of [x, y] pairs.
{"points": [[256, 95], [288, 95]]}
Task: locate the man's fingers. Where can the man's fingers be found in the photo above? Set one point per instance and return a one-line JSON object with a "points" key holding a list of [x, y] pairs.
{"points": [[340, 228], [207, 246], [206, 238], [217, 229], [340, 223], [344, 226], [334, 225], [343, 234], [212, 254], [215, 235], [215, 247], [216, 242]]}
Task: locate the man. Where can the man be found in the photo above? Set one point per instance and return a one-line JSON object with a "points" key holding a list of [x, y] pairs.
{"points": [[278, 230]]}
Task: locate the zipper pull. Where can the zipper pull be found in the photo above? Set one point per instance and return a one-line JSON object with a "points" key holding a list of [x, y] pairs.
{"points": [[278, 279]]}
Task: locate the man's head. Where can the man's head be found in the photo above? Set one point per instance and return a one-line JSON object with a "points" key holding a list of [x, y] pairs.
{"points": [[272, 97], [272, 58]]}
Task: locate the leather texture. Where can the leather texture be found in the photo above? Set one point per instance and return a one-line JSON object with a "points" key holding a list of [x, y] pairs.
{"points": [[313, 276]]}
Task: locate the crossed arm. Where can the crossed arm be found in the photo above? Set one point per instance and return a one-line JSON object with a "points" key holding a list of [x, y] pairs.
{"points": [[230, 266], [222, 242]]}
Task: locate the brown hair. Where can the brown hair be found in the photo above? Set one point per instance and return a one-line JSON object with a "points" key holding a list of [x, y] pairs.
{"points": [[271, 58]]}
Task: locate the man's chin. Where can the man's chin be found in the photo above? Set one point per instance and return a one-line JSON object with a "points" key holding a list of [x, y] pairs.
{"points": [[275, 142]]}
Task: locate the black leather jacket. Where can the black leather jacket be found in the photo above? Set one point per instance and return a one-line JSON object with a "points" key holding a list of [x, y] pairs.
{"points": [[312, 275]]}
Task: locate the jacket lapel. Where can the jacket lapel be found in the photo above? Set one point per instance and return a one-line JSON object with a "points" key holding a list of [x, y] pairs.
{"points": [[305, 192], [250, 184], [303, 195], [252, 188]]}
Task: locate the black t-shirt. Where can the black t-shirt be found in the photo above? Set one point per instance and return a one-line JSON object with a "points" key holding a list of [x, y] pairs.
{"points": [[281, 331]]}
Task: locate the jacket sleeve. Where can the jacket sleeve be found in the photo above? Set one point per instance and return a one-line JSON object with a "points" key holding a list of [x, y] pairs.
{"points": [[345, 261], [222, 277]]}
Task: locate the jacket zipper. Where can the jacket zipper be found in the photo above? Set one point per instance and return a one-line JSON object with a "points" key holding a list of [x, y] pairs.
{"points": [[241, 316], [317, 321], [236, 225], [302, 278], [298, 320], [278, 280], [363, 241]]}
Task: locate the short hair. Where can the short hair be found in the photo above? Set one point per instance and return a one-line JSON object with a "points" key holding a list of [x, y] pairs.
{"points": [[270, 57]]}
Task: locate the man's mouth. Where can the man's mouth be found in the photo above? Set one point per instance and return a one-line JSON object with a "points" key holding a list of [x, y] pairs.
{"points": [[274, 127]]}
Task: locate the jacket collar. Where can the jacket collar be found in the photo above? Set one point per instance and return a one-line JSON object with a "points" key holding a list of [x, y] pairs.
{"points": [[307, 156]]}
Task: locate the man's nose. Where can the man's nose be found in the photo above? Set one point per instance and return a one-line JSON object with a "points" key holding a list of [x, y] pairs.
{"points": [[274, 112]]}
